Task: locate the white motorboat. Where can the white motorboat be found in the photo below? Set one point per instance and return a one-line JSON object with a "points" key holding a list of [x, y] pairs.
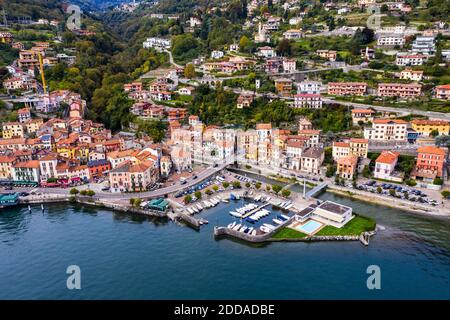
{"points": [[269, 226], [225, 201], [243, 229], [237, 227], [199, 207], [264, 229], [194, 209], [235, 214], [231, 225], [277, 221], [254, 233]]}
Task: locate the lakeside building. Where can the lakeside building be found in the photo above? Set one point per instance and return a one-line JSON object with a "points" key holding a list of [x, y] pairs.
{"points": [[385, 166], [346, 167], [425, 127], [430, 163], [402, 90], [347, 88], [331, 213], [387, 130], [352, 147]]}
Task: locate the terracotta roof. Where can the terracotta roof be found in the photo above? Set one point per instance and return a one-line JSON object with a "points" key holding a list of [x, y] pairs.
{"points": [[349, 161], [341, 144], [27, 164], [359, 140], [430, 122], [431, 150], [385, 121], [363, 111], [388, 157], [263, 126]]}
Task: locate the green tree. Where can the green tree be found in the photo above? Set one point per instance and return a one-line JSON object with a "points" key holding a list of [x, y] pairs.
{"points": [[208, 192], [236, 184], [286, 193], [132, 202], [74, 191], [198, 194], [189, 71], [258, 185], [366, 171], [215, 188], [247, 184], [284, 47], [276, 188], [379, 189], [392, 192], [434, 133], [225, 184], [438, 181], [90, 193], [187, 199]]}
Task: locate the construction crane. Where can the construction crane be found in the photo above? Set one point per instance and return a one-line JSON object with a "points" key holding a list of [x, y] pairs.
{"points": [[41, 69]]}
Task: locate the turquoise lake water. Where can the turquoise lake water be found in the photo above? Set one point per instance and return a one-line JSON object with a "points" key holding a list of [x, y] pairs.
{"points": [[131, 257]]}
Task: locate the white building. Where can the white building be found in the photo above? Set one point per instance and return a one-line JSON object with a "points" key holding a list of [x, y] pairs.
{"points": [[294, 21], [332, 213], [308, 100], [387, 130], [157, 43], [267, 52], [289, 65], [312, 87], [216, 54], [424, 45], [385, 165], [409, 59], [293, 34], [391, 40]]}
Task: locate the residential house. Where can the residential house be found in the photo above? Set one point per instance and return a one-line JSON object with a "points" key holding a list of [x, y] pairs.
{"points": [[385, 166], [347, 166]]}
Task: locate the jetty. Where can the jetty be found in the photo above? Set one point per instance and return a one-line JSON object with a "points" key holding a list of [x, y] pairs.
{"points": [[248, 214]]}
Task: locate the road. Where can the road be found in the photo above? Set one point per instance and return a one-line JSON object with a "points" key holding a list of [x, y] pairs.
{"points": [[403, 111], [210, 171], [172, 62]]}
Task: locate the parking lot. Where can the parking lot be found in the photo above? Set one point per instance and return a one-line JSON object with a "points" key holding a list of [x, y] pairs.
{"points": [[397, 191]]}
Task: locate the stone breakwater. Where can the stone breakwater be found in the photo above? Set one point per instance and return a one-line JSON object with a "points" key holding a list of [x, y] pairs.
{"points": [[94, 202]]}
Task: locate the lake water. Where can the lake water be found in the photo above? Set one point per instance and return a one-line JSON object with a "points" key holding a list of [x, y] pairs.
{"points": [[131, 257]]}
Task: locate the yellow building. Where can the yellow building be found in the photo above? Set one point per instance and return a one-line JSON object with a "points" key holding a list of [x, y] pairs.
{"points": [[12, 130], [425, 127], [6, 163], [33, 125]]}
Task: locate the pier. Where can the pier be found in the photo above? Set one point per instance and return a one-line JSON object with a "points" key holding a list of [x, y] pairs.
{"points": [[255, 210]]}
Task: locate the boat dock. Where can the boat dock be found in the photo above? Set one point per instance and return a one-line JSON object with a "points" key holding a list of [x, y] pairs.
{"points": [[248, 214]]}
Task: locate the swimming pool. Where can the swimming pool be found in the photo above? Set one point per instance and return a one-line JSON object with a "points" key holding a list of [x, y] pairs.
{"points": [[309, 227]]}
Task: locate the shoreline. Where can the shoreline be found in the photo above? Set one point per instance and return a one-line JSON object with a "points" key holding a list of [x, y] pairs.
{"points": [[387, 202]]}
